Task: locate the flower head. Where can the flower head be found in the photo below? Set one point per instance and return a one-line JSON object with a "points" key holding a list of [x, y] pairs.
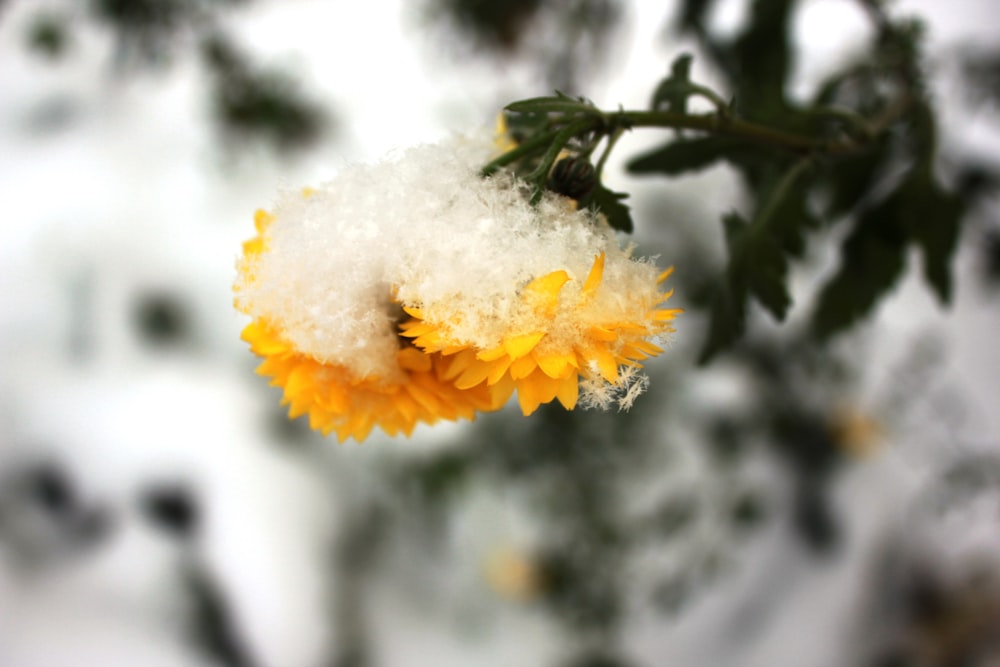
{"points": [[415, 290]]}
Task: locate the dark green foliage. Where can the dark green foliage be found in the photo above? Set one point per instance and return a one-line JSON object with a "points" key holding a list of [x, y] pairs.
{"points": [[599, 658], [759, 60], [505, 28], [673, 517], [758, 260], [172, 508], [498, 24], [250, 102], [48, 35], [872, 260], [247, 101], [981, 68], [992, 255], [919, 211], [872, 166], [162, 319], [747, 510], [213, 629]]}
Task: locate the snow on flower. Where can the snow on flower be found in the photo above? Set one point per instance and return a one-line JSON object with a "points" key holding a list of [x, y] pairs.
{"points": [[414, 290]]}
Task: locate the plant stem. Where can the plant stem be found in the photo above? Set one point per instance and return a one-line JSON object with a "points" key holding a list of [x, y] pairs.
{"points": [[612, 140], [734, 127], [781, 191]]}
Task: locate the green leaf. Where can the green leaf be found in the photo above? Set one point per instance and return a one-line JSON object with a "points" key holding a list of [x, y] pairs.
{"points": [[852, 179], [692, 15], [673, 91], [931, 214], [686, 155], [559, 103], [872, 260], [727, 313], [758, 259], [760, 60], [932, 217], [610, 204], [775, 234]]}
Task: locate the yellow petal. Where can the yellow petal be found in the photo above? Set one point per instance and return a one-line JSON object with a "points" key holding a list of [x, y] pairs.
{"points": [[569, 391], [518, 346], [545, 290], [499, 370], [528, 397], [412, 359], [415, 312], [492, 354], [473, 375], [500, 392], [415, 328], [602, 334], [523, 367], [556, 365], [666, 315], [595, 276], [606, 363], [459, 363]]}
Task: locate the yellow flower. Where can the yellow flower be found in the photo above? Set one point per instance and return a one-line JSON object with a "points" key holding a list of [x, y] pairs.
{"points": [[859, 434], [369, 311], [513, 575], [563, 331]]}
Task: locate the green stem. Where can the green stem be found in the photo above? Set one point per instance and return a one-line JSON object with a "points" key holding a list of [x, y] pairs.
{"points": [[781, 191], [612, 140], [730, 126], [711, 96], [855, 121]]}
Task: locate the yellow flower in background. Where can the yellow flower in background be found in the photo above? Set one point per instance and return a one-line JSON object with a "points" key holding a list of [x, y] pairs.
{"points": [[857, 433], [513, 575]]}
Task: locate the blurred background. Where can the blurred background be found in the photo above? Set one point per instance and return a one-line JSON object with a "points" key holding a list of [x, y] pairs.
{"points": [[786, 504]]}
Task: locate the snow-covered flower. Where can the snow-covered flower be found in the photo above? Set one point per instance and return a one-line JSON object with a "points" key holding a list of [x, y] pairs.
{"points": [[414, 290]]}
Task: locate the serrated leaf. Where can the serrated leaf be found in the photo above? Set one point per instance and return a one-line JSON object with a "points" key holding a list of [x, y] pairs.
{"points": [[761, 59], [610, 204], [931, 214], [759, 253], [872, 260], [932, 217], [775, 233]]}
